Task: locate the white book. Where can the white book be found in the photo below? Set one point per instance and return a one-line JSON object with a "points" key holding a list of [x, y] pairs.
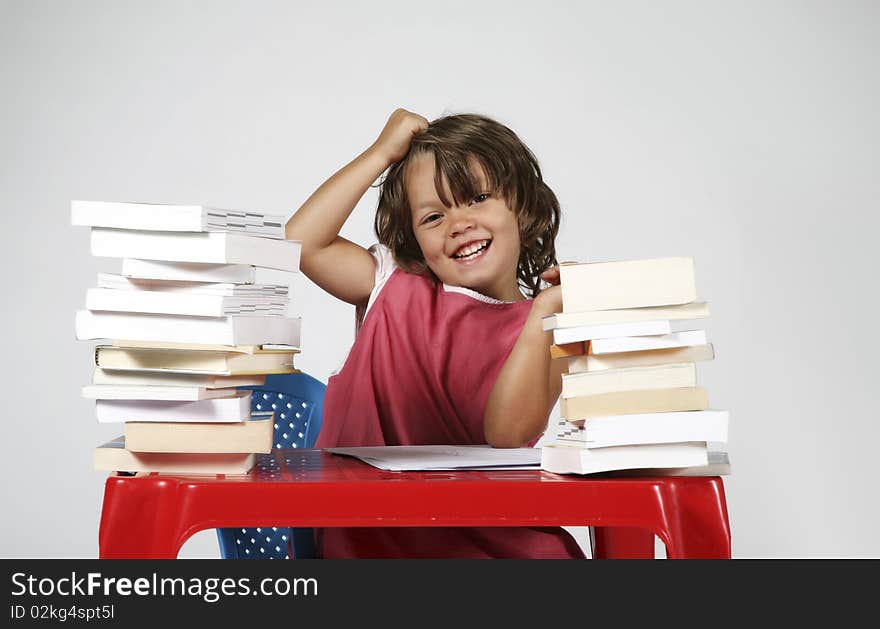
{"points": [[627, 284], [629, 379], [173, 379], [213, 247], [574, 460], [159, 302], [225, 289], [719, 465], [201, 272], [696, 310], [154, 392], [231, 330], [181, 218], [620, 430], [686, 338], [590, 332], [220, 410]]}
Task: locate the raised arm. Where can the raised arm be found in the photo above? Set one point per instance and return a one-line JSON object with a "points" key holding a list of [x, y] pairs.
{"points": [[341, 267], [530, 382]]}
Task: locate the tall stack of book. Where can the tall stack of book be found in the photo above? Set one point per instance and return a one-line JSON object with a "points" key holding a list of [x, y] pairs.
{"points": [[630, 399], [200, 307]]}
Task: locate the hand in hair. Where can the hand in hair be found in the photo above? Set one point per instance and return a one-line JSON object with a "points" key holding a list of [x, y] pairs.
{"points": [[395, 139]]}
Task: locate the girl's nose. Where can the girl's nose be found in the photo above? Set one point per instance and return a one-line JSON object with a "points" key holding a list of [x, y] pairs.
{"points": [[461, 221]]}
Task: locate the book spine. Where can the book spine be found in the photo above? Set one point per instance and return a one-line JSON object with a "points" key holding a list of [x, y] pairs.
{"points": [[630, 379], [635, 402], [562, 336], [629, 284], [697, 310]]}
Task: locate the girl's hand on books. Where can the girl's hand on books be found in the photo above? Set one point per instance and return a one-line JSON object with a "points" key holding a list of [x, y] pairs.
{"points": [[551, 275], [395, 139], [549, 300]]}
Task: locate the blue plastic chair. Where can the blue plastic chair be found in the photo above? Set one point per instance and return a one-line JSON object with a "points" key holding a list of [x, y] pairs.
{"points": [[298, 403]]}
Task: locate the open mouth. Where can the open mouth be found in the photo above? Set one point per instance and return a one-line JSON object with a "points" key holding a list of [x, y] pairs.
{"points": [[472, 251]]}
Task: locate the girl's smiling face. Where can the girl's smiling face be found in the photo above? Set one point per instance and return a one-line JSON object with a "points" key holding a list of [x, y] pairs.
{"points": [[475, 245]]}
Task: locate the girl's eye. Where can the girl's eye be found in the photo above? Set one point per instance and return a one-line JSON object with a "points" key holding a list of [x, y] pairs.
{"points": [[430, 218], [480, 198]]}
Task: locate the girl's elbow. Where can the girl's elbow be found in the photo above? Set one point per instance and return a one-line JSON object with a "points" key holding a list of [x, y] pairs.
{"points": [[508, 436], [504, 441]]}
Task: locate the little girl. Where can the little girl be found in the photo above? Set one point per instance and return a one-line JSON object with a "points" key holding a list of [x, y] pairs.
{"points": [[448, 350]]}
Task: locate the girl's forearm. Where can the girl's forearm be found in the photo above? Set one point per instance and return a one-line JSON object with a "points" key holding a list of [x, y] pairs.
{"points": [[520, 401], [318, 222]]}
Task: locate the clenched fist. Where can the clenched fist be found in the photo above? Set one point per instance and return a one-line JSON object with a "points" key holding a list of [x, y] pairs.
{"points": [[395, 139]]}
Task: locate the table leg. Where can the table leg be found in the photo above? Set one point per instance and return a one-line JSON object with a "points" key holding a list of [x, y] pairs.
{"points": [[139, 520], [618, 542], [697, 526]]}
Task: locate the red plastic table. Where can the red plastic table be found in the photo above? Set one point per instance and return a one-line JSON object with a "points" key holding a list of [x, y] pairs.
{"points": [[151, 516]]}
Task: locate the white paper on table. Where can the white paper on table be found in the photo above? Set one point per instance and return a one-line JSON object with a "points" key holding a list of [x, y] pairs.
{"points": [[428, 458]]}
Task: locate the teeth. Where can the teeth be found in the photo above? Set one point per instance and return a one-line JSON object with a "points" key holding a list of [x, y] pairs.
{"points": [[465, 252]]}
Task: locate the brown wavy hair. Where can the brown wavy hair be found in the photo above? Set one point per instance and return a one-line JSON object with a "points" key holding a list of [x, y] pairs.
{"points": [[457, 143]]}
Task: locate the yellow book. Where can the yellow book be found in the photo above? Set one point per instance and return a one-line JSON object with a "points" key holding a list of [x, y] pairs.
{"points": [[621, 360], [254, 435], [114, 457], [633, 402], [173, 359], [590, 383], [627, 284]]}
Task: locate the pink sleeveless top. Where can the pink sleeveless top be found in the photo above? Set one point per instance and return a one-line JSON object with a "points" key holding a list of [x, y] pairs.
{"points": [[420, 372]]}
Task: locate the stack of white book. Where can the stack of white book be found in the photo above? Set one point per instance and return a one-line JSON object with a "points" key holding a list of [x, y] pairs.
{"points": [[630, 399], [199, 308]]}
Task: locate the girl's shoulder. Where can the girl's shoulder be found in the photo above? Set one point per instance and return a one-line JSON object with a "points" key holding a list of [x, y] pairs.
{"points": [[385, 267]]}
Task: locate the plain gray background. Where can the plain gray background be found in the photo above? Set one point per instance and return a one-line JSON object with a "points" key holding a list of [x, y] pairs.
{"points": [[744, 134]]}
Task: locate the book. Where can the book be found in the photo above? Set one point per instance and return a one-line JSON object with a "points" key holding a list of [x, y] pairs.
{"points": [[198, 347], [114, 457], [563, 336], [174, 379], [158, 302], [685, 338], [629, 379], [565, 350], [202, 272], [443, 457], [182, 218], [634, 402], [254, 435], [226, 289], [620, 430], [220, 410], [573, 460], [645, 358], [228, 330], [213, 247], [217, 363], [627, 284], [718, 465], [696, 310], [154, 392]]}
